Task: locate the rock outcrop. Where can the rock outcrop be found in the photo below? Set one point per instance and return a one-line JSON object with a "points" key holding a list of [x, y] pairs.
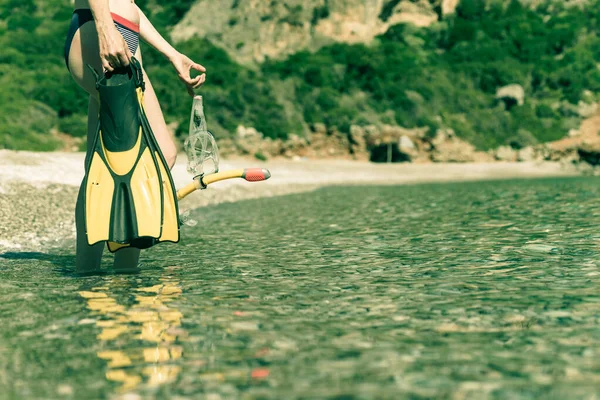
{"points": [[527, 154], [385, 143], [505, 153], [584, 147], [448, 6], [511, 95], [251, 30], [447, 147]]}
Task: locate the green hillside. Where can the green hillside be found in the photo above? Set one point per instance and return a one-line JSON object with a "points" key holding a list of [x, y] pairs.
{"points": [[445, 75]]}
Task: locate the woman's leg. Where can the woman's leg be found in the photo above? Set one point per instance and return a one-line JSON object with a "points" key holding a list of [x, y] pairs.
{"points": [[84, 50], [87, 257]]}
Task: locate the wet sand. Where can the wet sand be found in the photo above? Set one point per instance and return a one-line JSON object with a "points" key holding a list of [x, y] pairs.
{"points": [[38, 190]]}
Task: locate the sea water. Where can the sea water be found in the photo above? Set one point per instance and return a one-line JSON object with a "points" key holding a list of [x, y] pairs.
{"points": [[460, 291]]}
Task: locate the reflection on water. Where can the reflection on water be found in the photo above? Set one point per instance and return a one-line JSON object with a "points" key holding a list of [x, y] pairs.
{"points": [[457, 291], [138, 340]]}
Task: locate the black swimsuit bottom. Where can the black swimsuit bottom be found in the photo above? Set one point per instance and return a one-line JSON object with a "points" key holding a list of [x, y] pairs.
{"points": [[129, 30]]}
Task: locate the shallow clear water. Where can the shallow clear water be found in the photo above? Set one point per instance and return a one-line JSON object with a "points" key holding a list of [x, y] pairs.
{"points": [[459, 291]]}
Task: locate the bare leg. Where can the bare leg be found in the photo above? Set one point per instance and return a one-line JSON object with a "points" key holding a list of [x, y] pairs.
{"points": [[87, 257], [85, 50]]}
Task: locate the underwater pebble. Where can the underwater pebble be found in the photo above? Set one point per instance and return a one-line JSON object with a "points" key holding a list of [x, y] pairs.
{"points": [[260, 373], [244, 326], [542, 248]]}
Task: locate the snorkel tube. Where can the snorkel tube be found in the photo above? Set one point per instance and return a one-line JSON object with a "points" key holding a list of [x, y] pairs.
{"points": [[201, 182]]}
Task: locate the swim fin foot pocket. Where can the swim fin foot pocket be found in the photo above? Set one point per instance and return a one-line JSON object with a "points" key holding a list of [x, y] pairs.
{"points": [[129, 197]]}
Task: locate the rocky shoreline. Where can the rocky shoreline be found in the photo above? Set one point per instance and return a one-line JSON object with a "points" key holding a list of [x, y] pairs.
{"points": [[396, 144], [391, 143]]}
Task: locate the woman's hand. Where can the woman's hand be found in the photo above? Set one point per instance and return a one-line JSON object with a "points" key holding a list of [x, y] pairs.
{"points": [[114, 52], [184, 65]]}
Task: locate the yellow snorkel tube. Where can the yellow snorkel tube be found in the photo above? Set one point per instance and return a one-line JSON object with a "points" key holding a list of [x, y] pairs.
{"points": [[201, 182]]}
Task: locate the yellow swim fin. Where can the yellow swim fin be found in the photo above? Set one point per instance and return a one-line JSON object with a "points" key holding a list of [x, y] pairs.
{"points": [[129, 198]]}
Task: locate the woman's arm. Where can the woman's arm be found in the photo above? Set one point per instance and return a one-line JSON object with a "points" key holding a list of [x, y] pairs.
{"points": [[182, 63], [151, 36], [113, 48]]}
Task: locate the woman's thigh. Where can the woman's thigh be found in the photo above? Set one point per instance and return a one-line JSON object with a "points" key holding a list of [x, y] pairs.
{"points": [[85, 51]]}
